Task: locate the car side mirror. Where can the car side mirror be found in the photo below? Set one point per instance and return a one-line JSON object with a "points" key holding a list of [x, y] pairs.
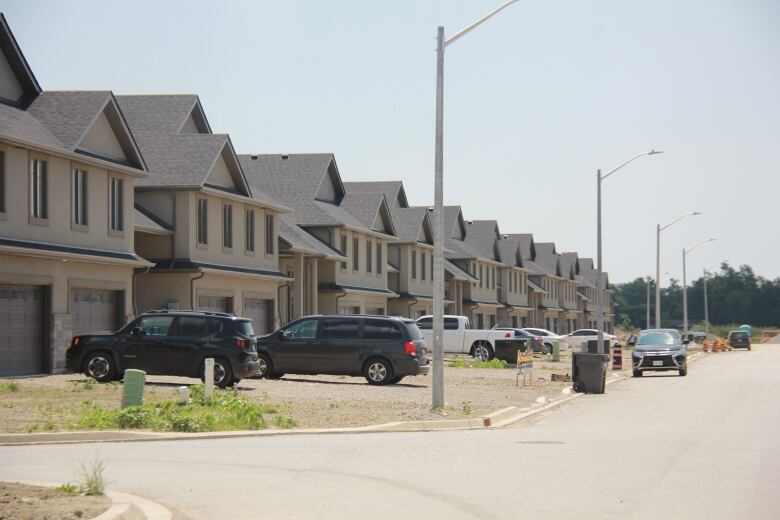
{"points": [[281, 336], [137, 332]]}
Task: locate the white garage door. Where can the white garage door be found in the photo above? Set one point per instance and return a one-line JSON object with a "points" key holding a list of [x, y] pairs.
{"points": [[261, 314], [94, 310], [215, 304], [21, 330]]}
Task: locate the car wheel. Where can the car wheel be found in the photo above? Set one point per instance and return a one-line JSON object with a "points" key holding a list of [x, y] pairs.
{"points": [[750, 347], [683, 371], [396, 379], [223, 373], [265, 366], [637, 373], [378, 371], [100, 366], [482, 350]]}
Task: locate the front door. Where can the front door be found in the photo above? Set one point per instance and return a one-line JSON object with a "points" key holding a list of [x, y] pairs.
{"points": [[144, 351], [297, 350], [341, 348]]}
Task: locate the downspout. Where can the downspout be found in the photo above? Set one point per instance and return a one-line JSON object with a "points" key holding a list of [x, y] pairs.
{"points": [[173, 236], [192, 289], [337, 300], [409, 310], [278, 299], [136, 272]]}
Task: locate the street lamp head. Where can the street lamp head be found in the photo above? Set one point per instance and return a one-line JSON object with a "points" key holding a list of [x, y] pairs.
{"points": [[712, 240], [653, 152], [697, 213]]}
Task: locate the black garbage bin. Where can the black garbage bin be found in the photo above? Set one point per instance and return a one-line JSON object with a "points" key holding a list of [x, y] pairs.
{"points": [[506, 349], [589, 372]]}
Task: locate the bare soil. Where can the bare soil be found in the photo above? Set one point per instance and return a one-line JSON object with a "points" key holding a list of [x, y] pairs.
{"points": [[50, 403], [23, 502]]}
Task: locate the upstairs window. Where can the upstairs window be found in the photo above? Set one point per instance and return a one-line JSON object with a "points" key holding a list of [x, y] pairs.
{"points": [[369, 257], [414, 265], [116, 204], [422, 266], [355, 254], [38, 189], [227, 226], [2, 181], [431, 267], [344, 250], [250, 230], [378, 258], [269, 234], [203, 222], [80, 197]]}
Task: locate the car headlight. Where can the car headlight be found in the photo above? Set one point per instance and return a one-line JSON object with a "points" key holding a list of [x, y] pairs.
{"points": [[638, 353]]}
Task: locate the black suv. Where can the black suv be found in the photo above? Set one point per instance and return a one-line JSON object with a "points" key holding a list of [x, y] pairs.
{"points": [[739, 339], [171, 343], [380, 348]]}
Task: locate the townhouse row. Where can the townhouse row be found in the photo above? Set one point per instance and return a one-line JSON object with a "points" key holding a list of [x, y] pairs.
{"points": [[113, 205]]}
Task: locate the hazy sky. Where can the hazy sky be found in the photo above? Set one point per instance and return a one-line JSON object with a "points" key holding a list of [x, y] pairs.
{"points": [[535, 101]]}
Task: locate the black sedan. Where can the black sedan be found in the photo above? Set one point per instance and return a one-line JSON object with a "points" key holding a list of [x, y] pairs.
{"points": [[537, 343]]}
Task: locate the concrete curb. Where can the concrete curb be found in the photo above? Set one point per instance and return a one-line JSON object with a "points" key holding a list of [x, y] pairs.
{"points": [[124, 505], [497, 419]]}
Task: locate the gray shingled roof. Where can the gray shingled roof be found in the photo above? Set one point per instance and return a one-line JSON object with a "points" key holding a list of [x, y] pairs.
{"points": [[294, 182], [547, 257], [179, 159], [302, 241], [158, 114], [409, 222], [391, 189], [458, 248], [67, 115], [457, 272], [508, 251], [19, 124], [363, 206], [146, 220], [482, 235], [568, 265]]}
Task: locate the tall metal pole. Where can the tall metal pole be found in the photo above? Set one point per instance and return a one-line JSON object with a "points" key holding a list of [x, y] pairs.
{"points": [[658, 277], [599, 298], [648, 280], [706, 306], [438, 232], [685, 300]]}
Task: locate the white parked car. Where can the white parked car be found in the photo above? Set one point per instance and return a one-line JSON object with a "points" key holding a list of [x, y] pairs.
{"points": [[460, 338], [548, 338], [576, 338]]}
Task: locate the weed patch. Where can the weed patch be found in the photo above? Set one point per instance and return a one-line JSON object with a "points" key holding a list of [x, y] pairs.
{"points": [[9, 388], [222, 411], [469, 363]]}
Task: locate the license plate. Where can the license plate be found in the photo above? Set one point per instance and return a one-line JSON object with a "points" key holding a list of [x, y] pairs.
{"points": [[658, 363]]}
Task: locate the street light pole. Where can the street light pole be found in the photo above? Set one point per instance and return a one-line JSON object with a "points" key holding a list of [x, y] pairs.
{"points": [[438, 208], [685, 288], [600, 285], [706, 306], [648, 279], [660, 228]]}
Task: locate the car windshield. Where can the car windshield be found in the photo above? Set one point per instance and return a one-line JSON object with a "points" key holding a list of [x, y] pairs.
{"points": [[656, 338]]}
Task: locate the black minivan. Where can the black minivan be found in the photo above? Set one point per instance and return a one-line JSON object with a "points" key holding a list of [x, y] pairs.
{"points": [[380, 348], [171, 343]]}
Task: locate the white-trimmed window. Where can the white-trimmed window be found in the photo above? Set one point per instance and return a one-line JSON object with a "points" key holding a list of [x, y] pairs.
{"points": [[269, 234], [38, 189], [355, 254], [203, 222], [379, 257], [79, 197], [344, 243], [249, 228], [116, 204], [422, 266], [414, 265], [227, 226], [369, 256], [2, 181]]}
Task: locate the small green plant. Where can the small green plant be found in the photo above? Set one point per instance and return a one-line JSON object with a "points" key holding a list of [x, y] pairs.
{"points": [[93, 482], [84, 384], [49, 426], [285, 422], [9, 388], [32, 428], [68, 488], [468, 363], [468, 408]]}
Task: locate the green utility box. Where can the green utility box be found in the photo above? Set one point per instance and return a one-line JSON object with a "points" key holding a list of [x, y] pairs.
{"points": [[133, 389], [556, 351]]}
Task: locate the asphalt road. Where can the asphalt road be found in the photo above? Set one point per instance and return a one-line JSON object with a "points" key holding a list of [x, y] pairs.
{"points": [[702, 446]]}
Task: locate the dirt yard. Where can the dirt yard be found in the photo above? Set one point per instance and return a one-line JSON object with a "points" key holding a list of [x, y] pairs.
{"points": [[51, 403], [23, 502]]}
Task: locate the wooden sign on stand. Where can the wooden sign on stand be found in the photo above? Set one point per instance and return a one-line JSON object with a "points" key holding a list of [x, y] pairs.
{"points": [[525, 368]]}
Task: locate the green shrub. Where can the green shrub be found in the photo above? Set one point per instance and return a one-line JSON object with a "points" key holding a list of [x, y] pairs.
{"points": [[469, 363], [92, 480], [8, 388]]}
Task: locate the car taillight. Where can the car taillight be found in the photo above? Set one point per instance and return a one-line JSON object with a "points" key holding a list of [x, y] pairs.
{"points": [[538, 339], [242, 343], [409, 348], [76, 341]]}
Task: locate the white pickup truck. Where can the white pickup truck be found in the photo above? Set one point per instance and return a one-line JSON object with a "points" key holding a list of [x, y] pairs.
{"points": [[460, 338]]}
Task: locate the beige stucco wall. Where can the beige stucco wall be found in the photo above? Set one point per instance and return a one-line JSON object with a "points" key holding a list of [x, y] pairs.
{"points": [[416, 285], [360, 277], [328, 304], [58, 227], [518, 296], [487, 291], [9, 86], [101, 139], [406, 309]]}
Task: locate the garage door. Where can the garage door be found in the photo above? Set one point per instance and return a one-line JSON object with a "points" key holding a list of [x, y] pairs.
{"points": [[94, 310], [378, 311], [215, 304], [349, 310], [261, 314], [21, 330]]}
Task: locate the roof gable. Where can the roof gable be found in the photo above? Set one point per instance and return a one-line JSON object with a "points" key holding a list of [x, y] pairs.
{"points": [[482, 236], [393, 190], [169, 114], [226, 172], [101, 140], [18, 85]]}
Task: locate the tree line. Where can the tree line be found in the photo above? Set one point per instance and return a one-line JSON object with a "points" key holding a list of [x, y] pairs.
{"points": [[734, 296]]}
